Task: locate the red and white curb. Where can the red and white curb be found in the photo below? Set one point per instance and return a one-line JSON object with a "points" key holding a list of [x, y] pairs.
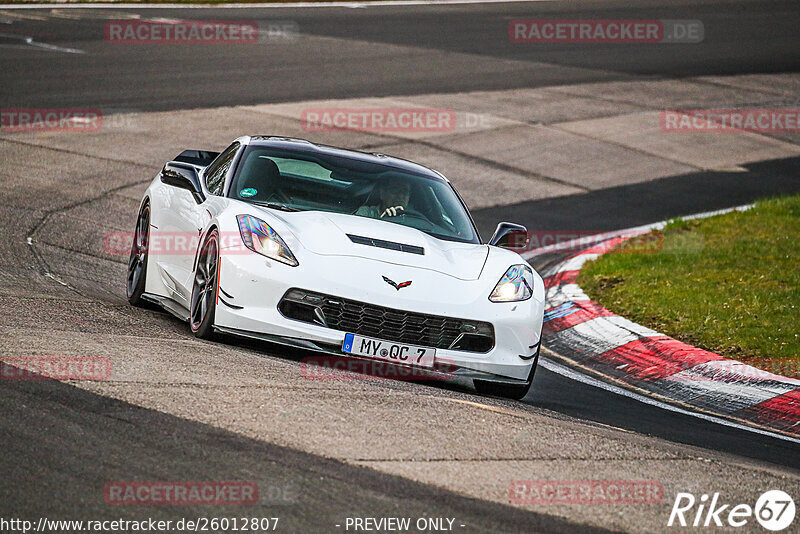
{"points": [[589, 336]]}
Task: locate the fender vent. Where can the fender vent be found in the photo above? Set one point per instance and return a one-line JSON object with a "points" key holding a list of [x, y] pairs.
{"points": [[391, 245]]}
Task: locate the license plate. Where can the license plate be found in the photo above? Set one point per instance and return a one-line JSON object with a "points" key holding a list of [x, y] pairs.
{"points": [[388, 351]]}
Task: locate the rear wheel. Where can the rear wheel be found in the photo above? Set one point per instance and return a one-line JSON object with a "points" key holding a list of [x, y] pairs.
{"points": [[509, 391], [137, 262], [204, 288]]}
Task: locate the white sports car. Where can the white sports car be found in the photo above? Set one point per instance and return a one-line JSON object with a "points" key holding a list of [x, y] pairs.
{"points": [[348, 253]]}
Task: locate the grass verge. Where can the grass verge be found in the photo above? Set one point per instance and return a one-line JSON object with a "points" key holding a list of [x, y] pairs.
{"points": [[729, 284]]}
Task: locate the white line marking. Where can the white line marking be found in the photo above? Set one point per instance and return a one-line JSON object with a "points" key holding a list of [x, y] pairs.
{"points": [[268, 6], [482, 406], [30, 42], [23, 16], [54, 48], [588, 380], [53, 277]]}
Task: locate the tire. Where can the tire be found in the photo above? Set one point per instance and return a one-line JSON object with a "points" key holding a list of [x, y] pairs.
{"points": [[204, 288], [137, 262], [509, 391]]}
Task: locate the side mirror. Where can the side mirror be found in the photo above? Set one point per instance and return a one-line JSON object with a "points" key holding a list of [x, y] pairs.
{"points": [[510, 235], [183, 176]]}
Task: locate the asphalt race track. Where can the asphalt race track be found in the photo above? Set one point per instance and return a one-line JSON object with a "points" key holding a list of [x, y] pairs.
{"points": [[427, 49], [180, 409]]}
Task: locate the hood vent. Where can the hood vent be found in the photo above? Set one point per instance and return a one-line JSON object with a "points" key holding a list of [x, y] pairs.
{"points": [[391, 245]]}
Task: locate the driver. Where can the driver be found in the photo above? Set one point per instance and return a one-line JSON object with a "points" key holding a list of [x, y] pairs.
{"points": [[393, 197]]}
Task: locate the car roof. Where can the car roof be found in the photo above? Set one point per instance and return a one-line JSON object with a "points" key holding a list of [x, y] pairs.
{"points": [[305, 146]]}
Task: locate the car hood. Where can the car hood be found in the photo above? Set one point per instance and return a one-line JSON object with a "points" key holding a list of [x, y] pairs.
{"points": [[328, 234]]}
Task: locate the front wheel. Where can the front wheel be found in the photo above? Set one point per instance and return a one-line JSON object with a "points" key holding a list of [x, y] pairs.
{"points": [[204, 288], [137, 262], [509, 391]]}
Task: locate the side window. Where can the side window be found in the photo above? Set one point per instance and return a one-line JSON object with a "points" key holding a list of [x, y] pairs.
{"points": [[215, 175]]}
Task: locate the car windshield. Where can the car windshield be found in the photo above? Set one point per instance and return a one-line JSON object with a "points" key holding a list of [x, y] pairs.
{"points": [[297, 181]]}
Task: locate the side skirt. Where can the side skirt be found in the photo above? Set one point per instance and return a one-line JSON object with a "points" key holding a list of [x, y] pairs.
{"points": [[168, 305]]}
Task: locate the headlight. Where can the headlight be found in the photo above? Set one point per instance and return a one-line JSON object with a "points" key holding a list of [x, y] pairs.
{"points": [[516, 284], [259, 237]]}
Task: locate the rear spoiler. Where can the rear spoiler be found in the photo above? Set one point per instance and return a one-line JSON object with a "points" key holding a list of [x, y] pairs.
{"points": [[201, 158]]}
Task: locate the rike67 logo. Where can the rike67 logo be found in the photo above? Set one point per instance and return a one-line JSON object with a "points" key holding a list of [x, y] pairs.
{"points": [[774, 510]]}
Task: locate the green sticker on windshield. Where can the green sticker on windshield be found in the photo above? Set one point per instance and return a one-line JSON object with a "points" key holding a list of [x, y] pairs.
{"points": [[249, 192]]}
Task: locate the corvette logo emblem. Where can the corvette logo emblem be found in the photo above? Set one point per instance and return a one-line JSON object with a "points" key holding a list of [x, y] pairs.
{"points": [[395, 285]]}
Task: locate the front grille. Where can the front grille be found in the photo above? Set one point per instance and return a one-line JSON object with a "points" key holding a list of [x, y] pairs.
{"points": [[387, 323]]}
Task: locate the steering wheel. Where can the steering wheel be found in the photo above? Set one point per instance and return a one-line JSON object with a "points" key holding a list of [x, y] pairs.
{"points": [[409, 213]]}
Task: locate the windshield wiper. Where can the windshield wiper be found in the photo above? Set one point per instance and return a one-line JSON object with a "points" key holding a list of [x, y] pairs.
{"points": [[273, 205]]}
